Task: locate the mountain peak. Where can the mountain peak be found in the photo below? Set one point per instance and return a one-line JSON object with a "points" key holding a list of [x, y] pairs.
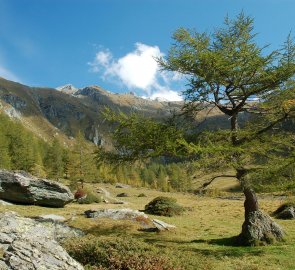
{"points": [[68, 89]]}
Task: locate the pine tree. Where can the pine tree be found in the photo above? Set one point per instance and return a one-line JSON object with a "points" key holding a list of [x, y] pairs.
{"points": [[4, 153], [54, 160]]}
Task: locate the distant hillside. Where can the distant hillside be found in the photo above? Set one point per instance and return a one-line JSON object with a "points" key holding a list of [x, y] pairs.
{"points": [[64, 111]]}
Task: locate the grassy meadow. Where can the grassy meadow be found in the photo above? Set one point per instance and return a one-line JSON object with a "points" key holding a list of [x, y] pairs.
{"points": [[202, 239]]}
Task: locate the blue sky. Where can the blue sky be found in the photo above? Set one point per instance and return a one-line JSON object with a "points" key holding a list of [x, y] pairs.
{"points": [[110, 43]]}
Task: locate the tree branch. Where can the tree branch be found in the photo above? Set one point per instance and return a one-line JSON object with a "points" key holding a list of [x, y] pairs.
{"points": [[215, 177]]}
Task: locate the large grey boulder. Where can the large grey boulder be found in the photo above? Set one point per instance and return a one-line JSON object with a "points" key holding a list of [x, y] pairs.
{"points": [[125, 213], [29, 245], [21, 187], [259, 229]]}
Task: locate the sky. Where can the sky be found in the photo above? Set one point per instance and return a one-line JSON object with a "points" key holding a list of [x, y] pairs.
{"points": [[112, 43]]}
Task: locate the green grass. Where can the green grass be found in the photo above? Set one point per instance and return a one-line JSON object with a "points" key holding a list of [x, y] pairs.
{"points": [[203, 237]]}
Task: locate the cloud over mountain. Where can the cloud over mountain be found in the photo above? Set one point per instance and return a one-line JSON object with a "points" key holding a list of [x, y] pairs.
{"points": [[137, 70]]}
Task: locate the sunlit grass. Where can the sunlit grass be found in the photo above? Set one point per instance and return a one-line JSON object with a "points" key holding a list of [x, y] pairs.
{"points": [[203, 237]]}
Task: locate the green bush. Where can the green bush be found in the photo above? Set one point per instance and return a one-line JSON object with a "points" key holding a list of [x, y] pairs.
{"points": [[112, 253], [163, 206], [87, 196]]}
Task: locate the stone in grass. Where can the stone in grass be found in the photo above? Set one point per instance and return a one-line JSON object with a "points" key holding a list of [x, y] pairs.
{"points": [[126, 213], [119, 185], [285, 211], [122, 194], [162, 226], [259, 229]]}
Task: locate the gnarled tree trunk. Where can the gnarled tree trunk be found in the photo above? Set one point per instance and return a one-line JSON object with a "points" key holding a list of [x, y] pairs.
{"points": [[258, 228]]}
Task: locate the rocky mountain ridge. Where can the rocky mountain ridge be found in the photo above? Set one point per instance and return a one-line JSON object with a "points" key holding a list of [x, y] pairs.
{"points": [[64, 111]]}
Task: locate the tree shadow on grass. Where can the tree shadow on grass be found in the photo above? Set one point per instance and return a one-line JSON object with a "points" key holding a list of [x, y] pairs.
{"points": [[226, 241], [217, 248]]}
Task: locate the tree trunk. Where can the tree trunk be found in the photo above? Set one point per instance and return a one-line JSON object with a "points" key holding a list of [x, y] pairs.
{"points": [[258, 228], [251, 202], [234, 128]]}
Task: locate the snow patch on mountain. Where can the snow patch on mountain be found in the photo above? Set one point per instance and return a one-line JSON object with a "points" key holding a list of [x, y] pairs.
{"points": [[68, 89]]}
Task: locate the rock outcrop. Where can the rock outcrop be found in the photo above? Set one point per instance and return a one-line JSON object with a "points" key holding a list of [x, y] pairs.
{"points": [[29, 245], [126, 213], [260, 229], [285, 211], [23, 188]]}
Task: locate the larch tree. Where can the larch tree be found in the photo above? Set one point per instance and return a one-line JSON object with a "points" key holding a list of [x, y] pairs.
{"points": [[226, 70], [229, 71]]}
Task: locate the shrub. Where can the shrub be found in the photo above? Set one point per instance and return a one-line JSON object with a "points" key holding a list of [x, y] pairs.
{"points": [[91, 198], [87, 196], [102, 253], [163, 206], [80, 193]]}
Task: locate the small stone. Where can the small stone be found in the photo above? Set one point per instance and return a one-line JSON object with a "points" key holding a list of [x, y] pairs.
{"points": [[122, 194], [119, 185]]}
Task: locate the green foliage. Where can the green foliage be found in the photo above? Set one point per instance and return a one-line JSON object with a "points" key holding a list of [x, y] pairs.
{"points": [[87, 196], [54, 160], [117, 254], [163, 206], [90, 198], [19, 148], [160, 138], [227, 67], [81, 165], [229, 71]]}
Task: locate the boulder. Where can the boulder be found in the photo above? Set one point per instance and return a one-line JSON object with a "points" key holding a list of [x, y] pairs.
{"points": [[126, 213], [285, 211], [260, 229], [21, 187], [52, 217], [28, 244], [5, 204]]}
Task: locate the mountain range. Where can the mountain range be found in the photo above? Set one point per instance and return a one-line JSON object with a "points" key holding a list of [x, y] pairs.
{"points": [[62, 112]]}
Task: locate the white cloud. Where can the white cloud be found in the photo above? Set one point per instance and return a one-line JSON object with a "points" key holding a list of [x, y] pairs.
{"points": [[137, 70], [6, 74], [166, 94]]}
